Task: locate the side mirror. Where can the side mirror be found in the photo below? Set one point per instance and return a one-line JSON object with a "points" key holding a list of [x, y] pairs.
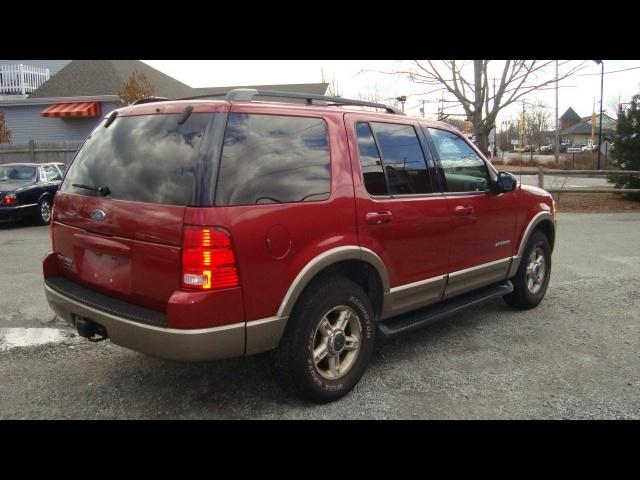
{"points": [[506, 182]]}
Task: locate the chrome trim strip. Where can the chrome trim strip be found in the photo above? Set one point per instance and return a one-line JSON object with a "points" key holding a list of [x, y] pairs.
{"points": [[417, 284], [15, 207], [175, 344], [463, 281], [345, 252], [525, 238], [414, 295], [458, 273], [460, 194], [408, 195], [264, 334]]}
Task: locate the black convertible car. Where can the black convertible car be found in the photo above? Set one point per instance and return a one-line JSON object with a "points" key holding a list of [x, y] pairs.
{"points": [[27, 190]]}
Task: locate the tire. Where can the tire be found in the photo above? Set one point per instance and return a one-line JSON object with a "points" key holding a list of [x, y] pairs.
{"points": [[524, 296], [335, 299], [45, 206]]}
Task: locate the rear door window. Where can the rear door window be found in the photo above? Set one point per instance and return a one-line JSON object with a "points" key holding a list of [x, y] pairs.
{"points": [[273, 159], [403, 159], [370, 161], [143, 158]]}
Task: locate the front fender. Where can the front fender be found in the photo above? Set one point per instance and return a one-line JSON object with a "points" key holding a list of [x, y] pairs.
{"points": [[531, 226]]}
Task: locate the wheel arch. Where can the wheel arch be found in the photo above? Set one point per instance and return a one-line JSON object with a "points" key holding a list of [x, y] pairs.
{"points": [[359, 264], [542, 221], [46, 195]]}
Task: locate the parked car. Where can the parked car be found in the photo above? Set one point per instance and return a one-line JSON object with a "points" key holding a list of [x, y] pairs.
{"points": [[547, 148], [589, 148], [28, 190], [232, 227]]}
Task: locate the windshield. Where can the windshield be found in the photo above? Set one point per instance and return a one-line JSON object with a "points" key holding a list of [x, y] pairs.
{"points": [[143, 158], [9, 173]]}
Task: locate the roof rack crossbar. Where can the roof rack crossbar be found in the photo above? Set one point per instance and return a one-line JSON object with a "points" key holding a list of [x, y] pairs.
{"points": [[247, 94]]}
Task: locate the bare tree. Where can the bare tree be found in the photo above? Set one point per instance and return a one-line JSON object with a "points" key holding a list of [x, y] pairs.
{"points": [[5, 133], [537, 121], [468, 84], [334, 88], [136, 87], [455, 122]]}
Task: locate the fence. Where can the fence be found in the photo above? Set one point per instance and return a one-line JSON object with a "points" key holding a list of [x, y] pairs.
{"points": [[588, 174], [42, 153], [21, 79]]}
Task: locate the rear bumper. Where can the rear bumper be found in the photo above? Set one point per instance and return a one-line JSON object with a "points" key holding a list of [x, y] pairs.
{"points": [[195, 345], [8, 213]]}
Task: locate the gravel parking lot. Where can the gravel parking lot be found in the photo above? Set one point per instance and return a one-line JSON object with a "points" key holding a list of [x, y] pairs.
{"points": [[575, 356]]}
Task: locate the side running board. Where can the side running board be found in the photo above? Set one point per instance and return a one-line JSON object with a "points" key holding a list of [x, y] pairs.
{"points": [[407, 322]]}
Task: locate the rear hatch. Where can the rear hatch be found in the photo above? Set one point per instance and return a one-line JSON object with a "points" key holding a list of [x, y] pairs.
{"points": [[118, 216]]}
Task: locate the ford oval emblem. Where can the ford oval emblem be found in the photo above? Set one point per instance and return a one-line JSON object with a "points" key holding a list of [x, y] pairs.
{"points": [[98, 215]]}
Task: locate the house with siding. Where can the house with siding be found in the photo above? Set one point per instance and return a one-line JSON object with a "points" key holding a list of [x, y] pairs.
{"points": [[67, 106], [577, 130]]}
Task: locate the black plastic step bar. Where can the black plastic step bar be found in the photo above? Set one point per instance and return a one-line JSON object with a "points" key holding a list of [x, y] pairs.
{"points": [[408, 322]]}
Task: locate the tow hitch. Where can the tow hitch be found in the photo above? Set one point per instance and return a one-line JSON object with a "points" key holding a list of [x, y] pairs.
{"points": [[89, 330]]}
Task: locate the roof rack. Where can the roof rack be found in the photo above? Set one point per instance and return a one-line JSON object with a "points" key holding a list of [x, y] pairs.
{"points": [[247, 94], [150, 99]]}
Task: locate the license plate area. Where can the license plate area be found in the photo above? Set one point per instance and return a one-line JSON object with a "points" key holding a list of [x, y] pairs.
{"points": [[106, 270]]}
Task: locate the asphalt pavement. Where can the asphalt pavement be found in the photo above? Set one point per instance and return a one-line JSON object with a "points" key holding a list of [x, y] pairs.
{"points": [[575, 356]]}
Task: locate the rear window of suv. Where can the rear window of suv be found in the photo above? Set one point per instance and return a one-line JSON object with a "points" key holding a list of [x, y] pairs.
{"points": [[144, 158], [273, 159]]}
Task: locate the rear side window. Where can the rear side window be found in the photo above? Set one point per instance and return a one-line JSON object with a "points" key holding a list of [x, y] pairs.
{"points": [[144, 158], [273, 159]]}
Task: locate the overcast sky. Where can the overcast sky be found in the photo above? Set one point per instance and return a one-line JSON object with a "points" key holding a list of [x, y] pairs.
{"points": [[356, 77]]}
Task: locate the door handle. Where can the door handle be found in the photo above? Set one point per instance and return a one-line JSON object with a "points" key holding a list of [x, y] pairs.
{"points": [[378, 218], [463, 210]]}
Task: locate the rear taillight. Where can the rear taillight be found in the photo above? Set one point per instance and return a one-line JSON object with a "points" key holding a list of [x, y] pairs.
{"points": [[10, 199], [208, 261]]}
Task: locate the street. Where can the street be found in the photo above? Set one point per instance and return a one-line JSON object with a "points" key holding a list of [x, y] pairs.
{"points": [[562, 182], [576, 356]]}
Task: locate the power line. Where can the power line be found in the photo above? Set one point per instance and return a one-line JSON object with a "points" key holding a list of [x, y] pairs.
{"points": [[606, 73]]}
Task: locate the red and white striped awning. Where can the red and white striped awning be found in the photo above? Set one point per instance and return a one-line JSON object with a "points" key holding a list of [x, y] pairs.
{"points": [[81, 109]]}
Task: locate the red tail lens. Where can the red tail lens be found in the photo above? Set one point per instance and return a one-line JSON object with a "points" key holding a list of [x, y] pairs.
{"points": [[10, 199], [208, 261]]}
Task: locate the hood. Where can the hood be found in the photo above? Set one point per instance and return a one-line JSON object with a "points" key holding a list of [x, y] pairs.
{"points": [[529, 188]]}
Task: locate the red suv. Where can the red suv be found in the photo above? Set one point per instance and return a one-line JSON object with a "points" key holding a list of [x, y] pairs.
{"points": [[201, 229]]}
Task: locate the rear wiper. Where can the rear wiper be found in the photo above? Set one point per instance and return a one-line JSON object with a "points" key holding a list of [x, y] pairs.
{"points": [[104, 191]]}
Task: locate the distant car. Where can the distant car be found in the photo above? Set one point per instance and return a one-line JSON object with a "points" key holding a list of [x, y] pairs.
{"points": [[27, 190], [588, 148], [547, 148]]}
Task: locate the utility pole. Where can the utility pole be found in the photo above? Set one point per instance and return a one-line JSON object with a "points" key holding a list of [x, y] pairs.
{"points": [[557, 142], [402, 99], [593, 128], [522, 136], [600, 127], [494, 150]]}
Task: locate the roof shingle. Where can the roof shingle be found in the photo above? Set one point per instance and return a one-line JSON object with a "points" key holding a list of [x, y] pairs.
{"points": [[105, 77]]}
